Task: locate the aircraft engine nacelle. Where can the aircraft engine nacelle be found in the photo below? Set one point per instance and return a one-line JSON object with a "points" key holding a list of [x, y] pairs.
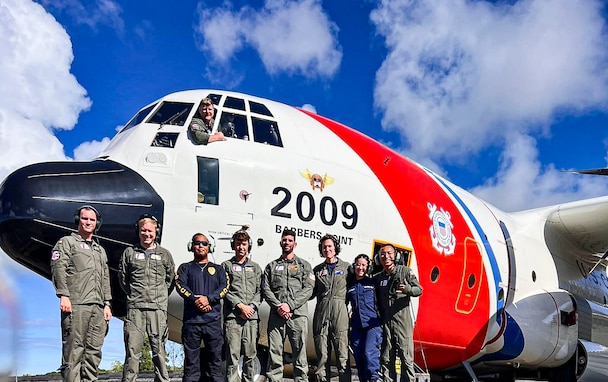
{"points": [[541, 331]]}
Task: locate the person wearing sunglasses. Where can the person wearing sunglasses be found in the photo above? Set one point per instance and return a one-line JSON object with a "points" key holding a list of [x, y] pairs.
{"points": [[202, 284]]}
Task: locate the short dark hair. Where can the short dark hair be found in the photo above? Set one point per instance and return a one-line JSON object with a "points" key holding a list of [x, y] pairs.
{"points": [[199, 234], [387, 245], [288, 232], [241, 235]]}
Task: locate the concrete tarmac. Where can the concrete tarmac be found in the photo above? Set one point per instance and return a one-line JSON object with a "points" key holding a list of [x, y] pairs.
{"points": [[597, 371]]}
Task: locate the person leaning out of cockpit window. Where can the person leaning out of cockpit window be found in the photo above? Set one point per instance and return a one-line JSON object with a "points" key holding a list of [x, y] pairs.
{"points": [[202, 124]]}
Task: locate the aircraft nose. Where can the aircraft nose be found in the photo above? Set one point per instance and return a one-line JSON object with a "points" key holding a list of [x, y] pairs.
{"points": [[38, 203]]}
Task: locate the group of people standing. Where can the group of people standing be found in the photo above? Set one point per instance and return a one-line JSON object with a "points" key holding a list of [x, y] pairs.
{"points": [[381, 323], [380, 329]]}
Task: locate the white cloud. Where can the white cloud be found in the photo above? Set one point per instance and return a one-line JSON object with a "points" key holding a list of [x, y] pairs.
{"points": [[38, 92], [310, 108], [87, 151], [92, 14], [523, 182], [294, 37], [461, 76]]}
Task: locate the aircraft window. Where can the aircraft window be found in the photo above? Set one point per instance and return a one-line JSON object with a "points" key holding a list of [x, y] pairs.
{"points": [[215, 98], [471, 281], [259, 108], [171, 113], [402, 255], [138, 118], [265, 131], [165, 140], [235, 103], [234, 126], [434, 274], [208, 180]]}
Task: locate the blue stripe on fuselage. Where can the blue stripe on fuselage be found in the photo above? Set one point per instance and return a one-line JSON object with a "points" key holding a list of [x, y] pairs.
{"points": [[489, 251]]}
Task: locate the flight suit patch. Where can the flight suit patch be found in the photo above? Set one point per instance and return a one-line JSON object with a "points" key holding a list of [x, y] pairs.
{"points": [[55, 255]]}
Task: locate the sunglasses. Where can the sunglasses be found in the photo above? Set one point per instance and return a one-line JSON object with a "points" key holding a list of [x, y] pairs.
{"points": [[199, 242]]}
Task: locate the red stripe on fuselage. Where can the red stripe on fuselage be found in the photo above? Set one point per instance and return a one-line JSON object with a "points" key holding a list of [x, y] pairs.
{"points": [[452, 323]]}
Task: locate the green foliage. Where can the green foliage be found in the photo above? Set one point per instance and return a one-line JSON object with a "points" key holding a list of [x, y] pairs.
{"points": [[116, 367], [145, 361]]}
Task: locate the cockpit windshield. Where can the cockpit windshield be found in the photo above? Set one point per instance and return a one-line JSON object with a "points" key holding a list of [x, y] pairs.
{"points": [[235, 117], [138, 118], [171, 113]]}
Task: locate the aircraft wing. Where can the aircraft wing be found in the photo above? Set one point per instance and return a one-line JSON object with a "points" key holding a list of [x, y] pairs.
{"points": [[594, 171], [578, 229]]}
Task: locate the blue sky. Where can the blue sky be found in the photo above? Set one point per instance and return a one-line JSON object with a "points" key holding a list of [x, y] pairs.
{"points": [[499, 97]]}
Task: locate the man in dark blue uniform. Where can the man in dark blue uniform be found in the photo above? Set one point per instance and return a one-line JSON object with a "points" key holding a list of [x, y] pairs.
{"points": [[202, 284]]}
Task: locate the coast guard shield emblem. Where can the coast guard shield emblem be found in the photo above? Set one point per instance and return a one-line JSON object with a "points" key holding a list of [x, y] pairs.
{"points": [[442, 237]]}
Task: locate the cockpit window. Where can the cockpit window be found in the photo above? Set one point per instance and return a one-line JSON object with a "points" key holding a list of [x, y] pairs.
{"points": [[235, 103], [234, 125], [267, 132], [259, 108], [171, 113], [215, 98], [138, 118], [163, 139], [208, 180]]}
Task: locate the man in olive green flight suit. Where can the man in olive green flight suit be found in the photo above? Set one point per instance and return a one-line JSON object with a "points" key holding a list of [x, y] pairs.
{"points": [[330, 322], [146, 274], [241, 305], [397, 284], [79, 269], [288, 284]]}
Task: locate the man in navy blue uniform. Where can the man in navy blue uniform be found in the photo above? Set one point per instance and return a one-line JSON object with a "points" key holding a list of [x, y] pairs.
{"points": [[202, 284]]}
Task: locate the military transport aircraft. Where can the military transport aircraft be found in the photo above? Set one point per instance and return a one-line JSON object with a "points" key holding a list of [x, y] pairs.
{"points": [[505, 295]]}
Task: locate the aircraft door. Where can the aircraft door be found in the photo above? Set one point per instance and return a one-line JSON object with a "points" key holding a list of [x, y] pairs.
{"points": [[472, 274], [236, 190], [512, 267]]}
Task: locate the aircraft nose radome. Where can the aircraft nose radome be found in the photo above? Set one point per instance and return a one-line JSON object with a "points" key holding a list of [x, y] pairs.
{"points": [[38, 202]]}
